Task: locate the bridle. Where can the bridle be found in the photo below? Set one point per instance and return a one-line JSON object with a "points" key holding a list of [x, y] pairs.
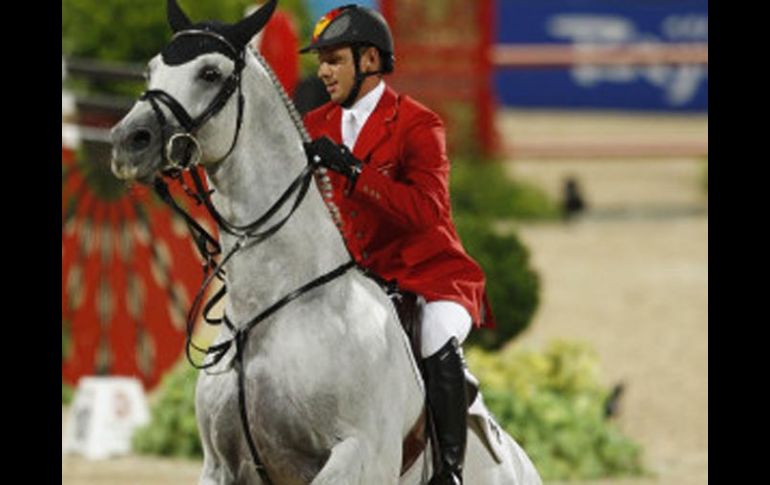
{"points": [[246, 234], [192, 125]]}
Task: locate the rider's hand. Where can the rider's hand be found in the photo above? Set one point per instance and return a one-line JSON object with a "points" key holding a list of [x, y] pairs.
{"points": [[335, 157]]}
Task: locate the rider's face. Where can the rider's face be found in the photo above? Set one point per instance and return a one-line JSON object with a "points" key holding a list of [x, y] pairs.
{"points": [[337, 71]]}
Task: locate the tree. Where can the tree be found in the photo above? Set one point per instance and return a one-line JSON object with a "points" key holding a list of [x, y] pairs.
{"points": [[135, 30]]}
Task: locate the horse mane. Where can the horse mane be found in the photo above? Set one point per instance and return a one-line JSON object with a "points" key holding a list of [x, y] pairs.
{"points": [[294, 114]]}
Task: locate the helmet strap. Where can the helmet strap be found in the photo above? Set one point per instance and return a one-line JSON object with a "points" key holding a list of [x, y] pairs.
{"points": [[358, 79]]}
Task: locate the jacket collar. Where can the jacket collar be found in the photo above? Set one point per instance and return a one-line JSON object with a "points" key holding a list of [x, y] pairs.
{"points": [[376, 128]]}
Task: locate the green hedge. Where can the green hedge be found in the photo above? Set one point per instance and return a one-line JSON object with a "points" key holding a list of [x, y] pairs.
{"points": [[173, 430], [513, 286], [67, 393], [482, 189], [552, 403], [482, 194]]}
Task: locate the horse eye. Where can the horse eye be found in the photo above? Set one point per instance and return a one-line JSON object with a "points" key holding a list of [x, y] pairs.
{"points": [[210, 74]]}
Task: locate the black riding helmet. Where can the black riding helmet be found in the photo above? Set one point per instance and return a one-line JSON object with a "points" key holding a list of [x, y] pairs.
{"points": [[354, 25]]}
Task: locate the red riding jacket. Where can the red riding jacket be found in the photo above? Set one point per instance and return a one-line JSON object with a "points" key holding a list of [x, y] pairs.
{"points": [[397, 222]]}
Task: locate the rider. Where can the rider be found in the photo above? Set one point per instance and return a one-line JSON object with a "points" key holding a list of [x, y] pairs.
{"points": [[388, 191]]}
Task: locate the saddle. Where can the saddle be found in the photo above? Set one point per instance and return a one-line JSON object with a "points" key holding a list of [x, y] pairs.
{"points": [[409, 307]]}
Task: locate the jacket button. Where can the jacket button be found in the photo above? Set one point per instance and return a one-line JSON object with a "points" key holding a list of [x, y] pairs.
{"points": [[359, 235], [364, 255], [353, 213]]}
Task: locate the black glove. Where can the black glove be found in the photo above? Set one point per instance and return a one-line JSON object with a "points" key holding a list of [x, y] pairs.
{"points": [[335, 157]]}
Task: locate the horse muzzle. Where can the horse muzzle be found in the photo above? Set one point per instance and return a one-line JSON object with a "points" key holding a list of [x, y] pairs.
{"points": [[136, 147]]}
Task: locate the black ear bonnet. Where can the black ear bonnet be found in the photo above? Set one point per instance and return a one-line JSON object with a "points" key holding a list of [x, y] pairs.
{"points": [[187, 45], [192, 40]]}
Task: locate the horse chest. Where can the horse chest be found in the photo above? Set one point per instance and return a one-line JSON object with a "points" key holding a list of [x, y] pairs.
{"points": [[288, 426]]}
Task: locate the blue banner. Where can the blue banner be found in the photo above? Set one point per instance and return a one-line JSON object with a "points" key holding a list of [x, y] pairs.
{"points": [[605, 22]]}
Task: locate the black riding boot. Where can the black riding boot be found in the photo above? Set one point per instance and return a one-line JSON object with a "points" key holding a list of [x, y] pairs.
{"points": [[445, 384]]}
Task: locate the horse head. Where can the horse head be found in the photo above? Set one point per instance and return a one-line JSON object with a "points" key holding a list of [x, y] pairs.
{"points": [[190, 101]]}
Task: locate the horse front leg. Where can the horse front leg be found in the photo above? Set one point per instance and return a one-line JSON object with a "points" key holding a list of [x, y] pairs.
{"points": [[352, 461], [212, 473]]}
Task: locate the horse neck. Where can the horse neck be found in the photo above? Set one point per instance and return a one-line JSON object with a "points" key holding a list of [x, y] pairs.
{"points": [[267, 158]]}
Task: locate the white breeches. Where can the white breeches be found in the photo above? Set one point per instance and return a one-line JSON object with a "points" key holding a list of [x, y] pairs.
{"points": [[441, 321]]}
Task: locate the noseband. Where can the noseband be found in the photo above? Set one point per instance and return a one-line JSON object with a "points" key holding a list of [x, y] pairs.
{"points": [[191, 125]]}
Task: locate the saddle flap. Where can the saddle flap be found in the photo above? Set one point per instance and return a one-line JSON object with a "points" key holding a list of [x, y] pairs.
{"points": [[410, 307]]}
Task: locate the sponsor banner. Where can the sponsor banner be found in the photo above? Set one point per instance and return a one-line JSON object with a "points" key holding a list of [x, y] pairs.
{"points": [[603, 23]]}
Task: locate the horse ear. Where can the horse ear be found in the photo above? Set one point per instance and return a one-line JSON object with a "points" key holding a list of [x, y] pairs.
{"points": [[242, 32], [176, 17]]}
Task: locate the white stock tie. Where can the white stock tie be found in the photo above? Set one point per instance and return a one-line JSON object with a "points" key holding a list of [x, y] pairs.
{"points": [[349, 130]]}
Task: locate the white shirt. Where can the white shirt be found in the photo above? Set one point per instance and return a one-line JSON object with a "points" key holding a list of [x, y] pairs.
{"points": [[353, 119]]}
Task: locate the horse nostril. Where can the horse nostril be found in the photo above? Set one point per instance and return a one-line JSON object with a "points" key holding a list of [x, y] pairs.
{"points": [[140, 139]]}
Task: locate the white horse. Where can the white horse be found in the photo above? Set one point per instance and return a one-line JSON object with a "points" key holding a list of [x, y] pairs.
{"points": [[330, 387]]}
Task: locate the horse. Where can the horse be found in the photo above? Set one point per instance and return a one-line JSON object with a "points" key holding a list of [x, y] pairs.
{"points": [[314, 380]]}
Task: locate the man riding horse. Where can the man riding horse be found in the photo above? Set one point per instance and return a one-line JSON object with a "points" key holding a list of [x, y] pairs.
{"points": [[388, 191]]}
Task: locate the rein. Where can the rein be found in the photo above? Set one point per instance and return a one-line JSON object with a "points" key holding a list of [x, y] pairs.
{"points": [[247, 234]]}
